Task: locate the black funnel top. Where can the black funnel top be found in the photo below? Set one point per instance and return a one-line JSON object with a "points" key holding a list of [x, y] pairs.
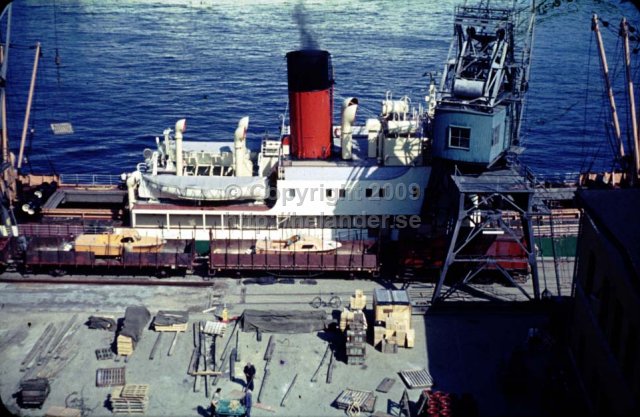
{"points": [[309, 70]]}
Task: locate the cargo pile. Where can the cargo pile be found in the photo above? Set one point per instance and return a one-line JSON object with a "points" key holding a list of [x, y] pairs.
{"points": [[392, 315], [354, 324]]}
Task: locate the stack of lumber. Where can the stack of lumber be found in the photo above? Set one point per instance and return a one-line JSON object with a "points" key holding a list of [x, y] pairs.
{"points": [[171, 321], [125, 345], [392, 313], [359, 301], [130, 399], [135, 321], [56, 411]]}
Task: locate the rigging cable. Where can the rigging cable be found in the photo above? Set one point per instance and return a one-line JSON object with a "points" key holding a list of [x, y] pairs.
{"points": [[57, 58], [586, 104]]}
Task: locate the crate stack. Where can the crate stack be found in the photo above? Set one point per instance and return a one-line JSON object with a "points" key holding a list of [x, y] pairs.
{"points": [[356, 341], [392, 314], [354, 323], [130, 399], [358, 302], [135, 321]]}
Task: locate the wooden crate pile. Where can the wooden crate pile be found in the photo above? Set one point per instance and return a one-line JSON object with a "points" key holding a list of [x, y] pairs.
{"points": [[358, 301], [392, 314], [135, 321], [355, 328], [130, 399]]}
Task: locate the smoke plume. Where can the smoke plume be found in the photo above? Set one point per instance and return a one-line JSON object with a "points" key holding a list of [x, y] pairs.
{"points": [[307, 40]]}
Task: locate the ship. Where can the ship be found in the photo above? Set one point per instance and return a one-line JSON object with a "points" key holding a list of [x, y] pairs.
{"points": [[355, 189]]}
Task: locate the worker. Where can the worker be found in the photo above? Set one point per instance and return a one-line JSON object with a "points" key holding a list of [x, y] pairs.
{"points": [[249, 374], [214, 401], [248, 402]]}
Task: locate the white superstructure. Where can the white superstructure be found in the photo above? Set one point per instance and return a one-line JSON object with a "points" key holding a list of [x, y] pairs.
{"points": [[375, 180]]}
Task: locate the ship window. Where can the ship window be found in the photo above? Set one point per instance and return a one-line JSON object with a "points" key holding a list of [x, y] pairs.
{"points": [[213, 221], [258, 222], [186, 221], [329, 193], [232, 222], [368, 192], [154, 220], [496, 135], [291, 192], [342, 193], [459, 137]]}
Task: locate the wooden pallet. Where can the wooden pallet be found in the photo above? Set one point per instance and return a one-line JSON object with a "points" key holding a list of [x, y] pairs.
{"points": [[417, 378], [125, 406], [215, 327], [110, 377], [130, 399], [385, 385], [104, 354], [349, 397], [182, 327], [134, 391]]}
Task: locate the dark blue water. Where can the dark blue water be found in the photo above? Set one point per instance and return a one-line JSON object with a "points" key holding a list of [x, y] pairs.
{"points": [[130, 68]]}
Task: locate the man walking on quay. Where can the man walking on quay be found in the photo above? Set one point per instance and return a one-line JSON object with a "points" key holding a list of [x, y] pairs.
{"points": [[249, 374]]}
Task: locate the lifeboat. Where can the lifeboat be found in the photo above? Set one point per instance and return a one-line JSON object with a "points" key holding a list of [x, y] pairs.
{"points": [[296, 243], [112, 244]]}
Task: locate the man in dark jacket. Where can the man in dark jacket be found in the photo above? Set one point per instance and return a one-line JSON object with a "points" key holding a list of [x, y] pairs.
{"points": [[249, 374]]}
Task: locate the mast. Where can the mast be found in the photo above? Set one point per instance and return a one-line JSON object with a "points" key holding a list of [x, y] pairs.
{"points": [[605, 69], [635, 166], [29, 101], [7, 171]]}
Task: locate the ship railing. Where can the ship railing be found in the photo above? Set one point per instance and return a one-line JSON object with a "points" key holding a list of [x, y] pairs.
{"points": [[559, 178], [61, 230], [90, 179]]}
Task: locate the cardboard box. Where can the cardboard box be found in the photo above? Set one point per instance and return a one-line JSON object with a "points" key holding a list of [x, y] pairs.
{"points": [[411, 338]]}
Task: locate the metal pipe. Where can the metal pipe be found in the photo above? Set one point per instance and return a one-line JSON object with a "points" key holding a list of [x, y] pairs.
{"points": [[286, 394], [624, 30], [349, 108], [605, 70], [25, 125], [181, 126]]}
